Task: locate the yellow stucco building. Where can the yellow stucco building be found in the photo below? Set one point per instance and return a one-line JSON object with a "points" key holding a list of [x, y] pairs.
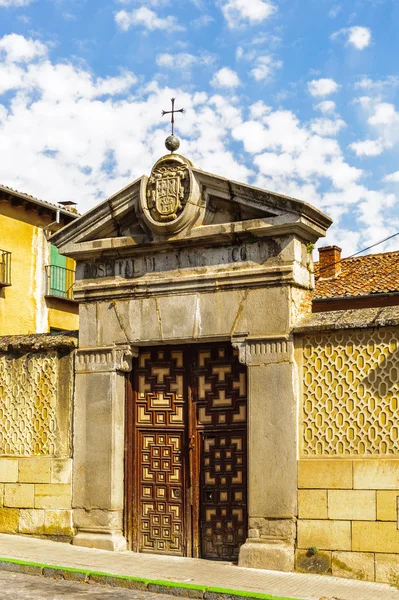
{"points": [[35, 281]]}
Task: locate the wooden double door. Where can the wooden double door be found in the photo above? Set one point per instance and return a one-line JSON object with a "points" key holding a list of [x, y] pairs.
{"points": [[186, 452]]}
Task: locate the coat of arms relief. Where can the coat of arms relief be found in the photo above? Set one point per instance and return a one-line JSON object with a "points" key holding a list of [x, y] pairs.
{"points": [[167, 191]]}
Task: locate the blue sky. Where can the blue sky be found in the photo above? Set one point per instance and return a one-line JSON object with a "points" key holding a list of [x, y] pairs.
{"points": [[299, 97]]}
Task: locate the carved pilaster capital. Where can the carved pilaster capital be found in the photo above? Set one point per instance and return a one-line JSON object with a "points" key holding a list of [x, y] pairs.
{"points": [[264, 350], [105, 359]]}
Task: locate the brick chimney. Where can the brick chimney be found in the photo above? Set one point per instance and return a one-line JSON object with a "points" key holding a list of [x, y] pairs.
{"points": [[329, 262]]}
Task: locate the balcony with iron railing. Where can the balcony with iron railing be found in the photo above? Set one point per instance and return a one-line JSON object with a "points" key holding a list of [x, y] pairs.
{"points": [[60, 282], [5, 268]]}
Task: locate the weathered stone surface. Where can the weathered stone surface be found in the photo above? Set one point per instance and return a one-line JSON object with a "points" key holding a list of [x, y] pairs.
{"points": [[360, 318], [87, 325], [312, 504], [19, 495], [272, 439], [38, 341], [324, 535], [9, 520], [387, 505], [105, 540], [259, 554], [31, 521], [353, 565], [9, 470], [58, 522], [53, 495], [387, 568], [325, 474], [309, 562], [61, 470], [352, 505], [97, 518], [281, 529], [99, 448], [376, 536], [376, 474], [34, 470]]}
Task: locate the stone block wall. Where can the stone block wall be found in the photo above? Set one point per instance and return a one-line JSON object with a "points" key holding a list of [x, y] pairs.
{"points": [[348, 472], [36, 387], [35, 496]]}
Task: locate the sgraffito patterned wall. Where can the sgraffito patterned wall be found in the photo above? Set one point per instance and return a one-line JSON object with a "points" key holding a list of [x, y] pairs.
{"points": [[36, 390], [351, 393], [28, 403], [348, 472]]}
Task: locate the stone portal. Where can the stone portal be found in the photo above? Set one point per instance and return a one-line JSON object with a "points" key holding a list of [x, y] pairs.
{"points": [[187, 258]]}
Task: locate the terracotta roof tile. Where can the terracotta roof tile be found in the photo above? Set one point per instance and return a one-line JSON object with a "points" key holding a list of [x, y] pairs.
{"points": [[361, 276]]}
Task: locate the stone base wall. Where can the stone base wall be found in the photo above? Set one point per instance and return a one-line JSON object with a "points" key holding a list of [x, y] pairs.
{"points": [[35, 496], [348, 518]]}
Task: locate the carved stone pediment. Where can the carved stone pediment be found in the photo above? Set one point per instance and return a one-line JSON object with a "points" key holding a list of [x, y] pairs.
{"points": [[179, 204]]}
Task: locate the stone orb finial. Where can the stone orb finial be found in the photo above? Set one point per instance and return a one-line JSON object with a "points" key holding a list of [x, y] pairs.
{"points": [[172, 143]]}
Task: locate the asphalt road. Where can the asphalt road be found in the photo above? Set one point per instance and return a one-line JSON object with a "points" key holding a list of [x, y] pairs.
{"points": [[28, 587]]}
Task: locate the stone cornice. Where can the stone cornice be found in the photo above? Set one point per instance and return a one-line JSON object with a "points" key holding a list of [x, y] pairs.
{"points": [[109, 288], [105, 359]]}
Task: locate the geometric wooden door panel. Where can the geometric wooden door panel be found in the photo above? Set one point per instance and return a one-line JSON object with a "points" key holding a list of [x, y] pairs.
{"points": [[223, 495], [159, 450], [220, 395], [188, 452], [160, 519]]}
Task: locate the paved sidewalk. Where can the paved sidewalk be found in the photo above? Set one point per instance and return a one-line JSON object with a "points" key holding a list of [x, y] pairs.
{"points": [[189, 571]]}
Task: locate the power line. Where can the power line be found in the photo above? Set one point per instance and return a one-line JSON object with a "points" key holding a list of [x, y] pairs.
{"points": [[356, 253]]}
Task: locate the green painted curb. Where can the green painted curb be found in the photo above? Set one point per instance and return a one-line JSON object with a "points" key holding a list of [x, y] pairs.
{"points": [[222, 593]]}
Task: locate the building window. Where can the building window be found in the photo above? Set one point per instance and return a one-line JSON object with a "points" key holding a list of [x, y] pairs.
{"points": [[60, 277], [5, 268], [60, 281]]}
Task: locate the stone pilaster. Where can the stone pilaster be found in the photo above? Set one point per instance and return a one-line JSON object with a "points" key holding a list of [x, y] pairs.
{"points": [[99, 434], [272, 461]]}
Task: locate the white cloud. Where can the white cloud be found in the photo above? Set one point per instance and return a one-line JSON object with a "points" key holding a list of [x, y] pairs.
{"points": [[49, 123], [384, 114], [225, 78], [327, 127], [265, 66], [238, 12], [327, 106], [357, 36], [365, 83], [146, 18], [16, 48], [8, 3], [382, 119], [202, 21], [322, 87], [183, 60], [334, 11], [392, 177], [368, 147]]}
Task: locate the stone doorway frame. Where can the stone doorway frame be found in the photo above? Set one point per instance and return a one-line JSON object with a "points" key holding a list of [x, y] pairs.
{"points": [[99, 502]]}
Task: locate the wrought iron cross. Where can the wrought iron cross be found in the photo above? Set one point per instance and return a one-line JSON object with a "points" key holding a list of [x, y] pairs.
{"points": [[172, 112]]}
